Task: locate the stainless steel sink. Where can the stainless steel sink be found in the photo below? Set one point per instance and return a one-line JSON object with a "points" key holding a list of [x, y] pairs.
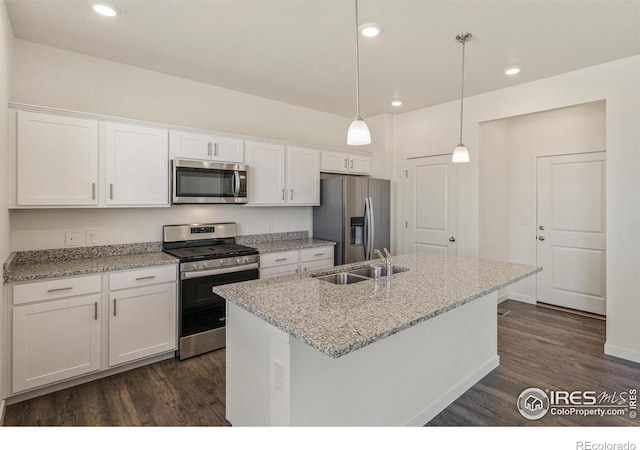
{"points": [[369, 271], [342, 278]]}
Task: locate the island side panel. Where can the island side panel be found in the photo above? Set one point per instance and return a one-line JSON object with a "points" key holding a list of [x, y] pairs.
{"points": [[404, 379]]}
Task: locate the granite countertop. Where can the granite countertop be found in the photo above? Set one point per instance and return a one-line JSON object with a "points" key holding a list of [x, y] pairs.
{"points": [[339, 319], [287, 245], [39, 265]]}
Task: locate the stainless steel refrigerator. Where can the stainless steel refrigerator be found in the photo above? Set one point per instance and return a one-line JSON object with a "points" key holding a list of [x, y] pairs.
{"points": [[354, 212]]}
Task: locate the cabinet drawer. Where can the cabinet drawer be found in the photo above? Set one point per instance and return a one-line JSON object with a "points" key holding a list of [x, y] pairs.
{"points": [[278, 259], [142, 277], [270, 272], [53, 289], [315, 254], [318, 264]]}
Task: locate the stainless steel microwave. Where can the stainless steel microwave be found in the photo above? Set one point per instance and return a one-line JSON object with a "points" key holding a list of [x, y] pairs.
{"points": [[208, 182]]}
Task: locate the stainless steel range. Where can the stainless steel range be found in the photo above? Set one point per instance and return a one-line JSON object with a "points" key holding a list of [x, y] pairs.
{"points": [[209, 256]]}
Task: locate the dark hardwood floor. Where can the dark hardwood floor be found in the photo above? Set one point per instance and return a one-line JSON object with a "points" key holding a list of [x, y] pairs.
{"points": [[538, 347]]}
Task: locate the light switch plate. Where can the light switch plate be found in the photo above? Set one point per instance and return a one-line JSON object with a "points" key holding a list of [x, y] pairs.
{"points": [[91, 237]]}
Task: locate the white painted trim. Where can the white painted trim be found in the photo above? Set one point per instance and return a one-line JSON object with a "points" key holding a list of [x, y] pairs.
{"points": [[521, 298], [624, 353], [504, 298], [453, 394], [2, 405]]}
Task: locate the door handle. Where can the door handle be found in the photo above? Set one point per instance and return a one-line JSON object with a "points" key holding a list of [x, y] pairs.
{"points": [[215, 149], [95, 310], [452, 239], [351, 164], [541, 227], [115, 307], [283, 194], [209, 148], [541, 238], [345, 163], [93, 191], [110, 191], [291, 194]]}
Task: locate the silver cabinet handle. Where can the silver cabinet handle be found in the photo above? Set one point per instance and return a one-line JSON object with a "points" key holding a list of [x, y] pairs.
{"points": [[215, 149], [291, 194], [95, 310], [541, 227], [305, 269], [281, 259], [115, 306], [60, 289], [150, 277], [352, 163], [111, 191], [345, 163], [452, 239], [541, 238], [209, 148], [283, 194], [93, 191], [318, 254]]}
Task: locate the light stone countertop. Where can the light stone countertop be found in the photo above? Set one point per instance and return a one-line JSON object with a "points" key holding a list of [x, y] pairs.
{"points": [[289, 245], [42, 270], [339, 319]]}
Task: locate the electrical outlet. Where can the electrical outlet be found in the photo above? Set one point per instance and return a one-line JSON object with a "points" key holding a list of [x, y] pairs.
{"points": [[91, 237], [278, 376], [270, 225], [71, 238]]}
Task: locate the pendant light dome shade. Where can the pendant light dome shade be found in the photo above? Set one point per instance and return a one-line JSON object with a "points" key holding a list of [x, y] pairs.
{"points": [[461, 154], [358, 133]]}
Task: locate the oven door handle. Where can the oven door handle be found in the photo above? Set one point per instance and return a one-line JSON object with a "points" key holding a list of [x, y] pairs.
{"points": [[217, 271]]}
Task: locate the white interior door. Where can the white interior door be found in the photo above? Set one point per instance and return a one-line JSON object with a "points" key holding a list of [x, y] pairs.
{"points": [[571, 231], [431, 205]]}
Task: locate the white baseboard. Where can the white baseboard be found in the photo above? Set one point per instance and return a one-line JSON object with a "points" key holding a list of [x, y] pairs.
{"points": [[522, 298], [2, 405], [624, 353], [503, 297], [452, 395]]}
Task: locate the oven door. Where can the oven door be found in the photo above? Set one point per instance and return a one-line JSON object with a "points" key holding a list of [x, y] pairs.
{"points": [[202, 313], [207, 182]]}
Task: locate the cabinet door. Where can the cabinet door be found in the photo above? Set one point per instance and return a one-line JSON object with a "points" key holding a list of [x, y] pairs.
{"points": [[55, 340], [334, 162], [137, 171], [227, 149], [266, 179], [57, 160], [303, 176], [360, 164], [190, 145], [313, 265], [142, 322]]}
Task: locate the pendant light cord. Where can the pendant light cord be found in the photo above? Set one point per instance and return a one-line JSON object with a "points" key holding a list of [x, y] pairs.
{"points": [[357, 68], [464, 41]]}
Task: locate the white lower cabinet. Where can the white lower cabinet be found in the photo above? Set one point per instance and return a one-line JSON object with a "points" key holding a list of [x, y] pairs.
{"points": [[142, 322], [62, 328], [55, 340], [296, 261]]}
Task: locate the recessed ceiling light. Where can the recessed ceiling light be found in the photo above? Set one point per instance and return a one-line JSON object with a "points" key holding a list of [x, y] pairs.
{"points": [[513, 70], [105, 9], [396, 103], [370, 29]]}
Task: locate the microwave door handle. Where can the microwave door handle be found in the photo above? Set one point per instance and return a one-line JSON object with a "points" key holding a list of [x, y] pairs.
{"points": [[236, 183]]}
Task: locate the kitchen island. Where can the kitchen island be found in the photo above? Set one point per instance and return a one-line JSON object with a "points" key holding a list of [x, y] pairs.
{"points": [[302, 351]]}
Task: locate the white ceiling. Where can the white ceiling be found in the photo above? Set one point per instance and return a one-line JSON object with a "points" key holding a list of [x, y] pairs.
{"points": [[303, 51]]}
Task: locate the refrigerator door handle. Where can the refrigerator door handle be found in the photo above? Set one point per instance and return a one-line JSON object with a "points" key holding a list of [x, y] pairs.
{"points": [[372, 227], [366, 228]]}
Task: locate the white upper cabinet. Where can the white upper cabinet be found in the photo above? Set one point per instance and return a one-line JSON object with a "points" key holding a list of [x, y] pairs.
{"points": [[336, 162], [303, 176], [137, 165], [266, 175], [205, 146], [57, 160], [282, 176]]}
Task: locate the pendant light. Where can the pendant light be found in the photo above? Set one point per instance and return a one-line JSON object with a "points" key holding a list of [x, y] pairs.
{"points": [[461, 154], [358, 133]]}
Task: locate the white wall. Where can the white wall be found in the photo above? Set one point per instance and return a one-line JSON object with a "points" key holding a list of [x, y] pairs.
{"points": [[433, 131], [6, 51], [57, 78]]}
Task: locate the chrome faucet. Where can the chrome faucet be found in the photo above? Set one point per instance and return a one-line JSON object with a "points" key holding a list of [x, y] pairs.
{"points": [[386, 260]]}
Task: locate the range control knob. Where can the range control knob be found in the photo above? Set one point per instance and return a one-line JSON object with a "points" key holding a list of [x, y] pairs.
{"points": [[246, 260], [222, 262], [196, 266], [238, 260], [204, 265]]}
